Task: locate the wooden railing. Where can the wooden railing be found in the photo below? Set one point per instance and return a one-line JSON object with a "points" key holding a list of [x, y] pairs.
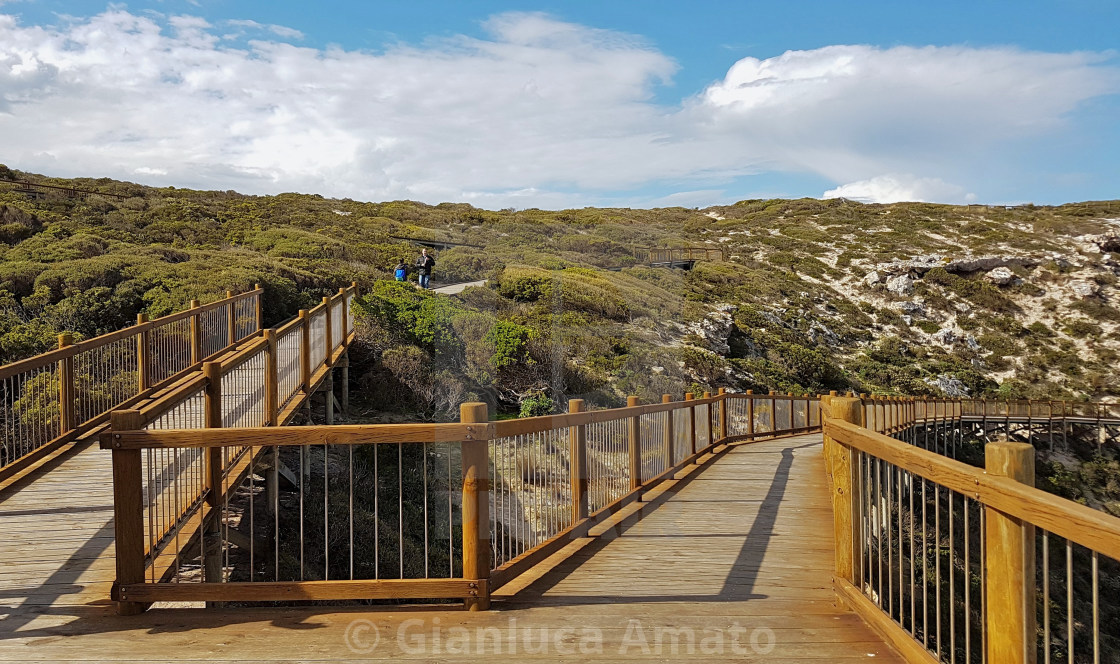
{"points": [[52, 399], [418, 511], [38, 189], [169, 496], [653, 255], [955, 563]]}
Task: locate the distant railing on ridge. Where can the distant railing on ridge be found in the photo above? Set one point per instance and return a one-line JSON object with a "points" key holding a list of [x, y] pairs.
{"points": [[53, 398], [659, 255]]}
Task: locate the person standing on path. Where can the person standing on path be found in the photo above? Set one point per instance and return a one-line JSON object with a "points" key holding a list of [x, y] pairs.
{"points": [[401, 271], [424, 264]]}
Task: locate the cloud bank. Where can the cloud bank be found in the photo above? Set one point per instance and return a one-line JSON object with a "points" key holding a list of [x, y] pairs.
{"points": [[539, 112]]}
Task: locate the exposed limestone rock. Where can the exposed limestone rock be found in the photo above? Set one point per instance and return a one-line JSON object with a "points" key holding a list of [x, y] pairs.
{"points": [[945, 337], [901, 285], [872, 278], [1000, 276], [949, 386], [922, 264], [819, 333], [1098, 244], [912, 308], [716, 327], [1084, 288]]}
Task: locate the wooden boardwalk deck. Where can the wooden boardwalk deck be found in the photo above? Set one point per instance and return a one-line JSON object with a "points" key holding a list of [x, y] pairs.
{"points": [[732, 564]]}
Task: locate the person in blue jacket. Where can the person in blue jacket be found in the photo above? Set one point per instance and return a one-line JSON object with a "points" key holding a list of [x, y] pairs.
{"points": [[401, 271]]}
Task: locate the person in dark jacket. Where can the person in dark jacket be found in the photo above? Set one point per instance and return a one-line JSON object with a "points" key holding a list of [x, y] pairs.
{"points": [[424, 264], [401, 271]]}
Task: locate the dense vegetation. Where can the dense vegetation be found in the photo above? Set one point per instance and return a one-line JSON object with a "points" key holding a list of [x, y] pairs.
{"points": [[807, 301]]}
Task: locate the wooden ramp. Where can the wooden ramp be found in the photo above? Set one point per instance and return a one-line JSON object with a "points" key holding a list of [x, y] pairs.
{"points": [[732, 564]]}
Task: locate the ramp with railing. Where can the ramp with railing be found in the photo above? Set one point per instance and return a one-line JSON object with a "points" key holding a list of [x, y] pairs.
{"points": [[52, 399]]}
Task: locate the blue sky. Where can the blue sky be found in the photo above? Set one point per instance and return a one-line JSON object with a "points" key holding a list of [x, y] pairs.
{"points": [[567, 104]]}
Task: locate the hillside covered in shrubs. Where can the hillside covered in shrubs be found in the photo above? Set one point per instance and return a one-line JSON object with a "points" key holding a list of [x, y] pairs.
{"points": [[814, 295]]}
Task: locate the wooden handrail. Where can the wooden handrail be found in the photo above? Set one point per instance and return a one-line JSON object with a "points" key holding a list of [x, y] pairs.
{"points": [[42, 359], [473, 434], [1013, 508], [1077, 523], [67, 360]]}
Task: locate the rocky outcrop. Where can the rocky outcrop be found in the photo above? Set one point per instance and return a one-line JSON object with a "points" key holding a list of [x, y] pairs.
{"points": [[1099, 244], [1084, 288], [949, 386], [1000, 276], [715, 328], [901, 285], [919, 265]]}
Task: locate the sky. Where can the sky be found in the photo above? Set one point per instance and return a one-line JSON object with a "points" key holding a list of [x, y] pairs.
{"points": [[554, 105]]}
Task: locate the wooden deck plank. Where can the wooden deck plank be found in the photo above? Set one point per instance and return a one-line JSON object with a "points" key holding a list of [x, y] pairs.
{"points": [[745, 543]]}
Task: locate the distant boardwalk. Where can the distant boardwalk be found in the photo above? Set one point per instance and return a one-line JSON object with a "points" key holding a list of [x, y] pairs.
{"points": [[735, 564]]}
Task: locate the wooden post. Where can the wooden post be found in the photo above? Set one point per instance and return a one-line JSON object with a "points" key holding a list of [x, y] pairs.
{"points": [[305, 352], [128, 513], [143, 349], [196, 335], [66, 386], [476, 508], [845, 491], [669, 433], [231, 317], [691, 422], [1009, 560], [342, 318], [791, 422], [722, 392], [271, 381], [259, 307], [635, 445], [577, 447], [328, 395], [708, 419], [211, 554], [750, 413], [329, 342], [346, 383]]}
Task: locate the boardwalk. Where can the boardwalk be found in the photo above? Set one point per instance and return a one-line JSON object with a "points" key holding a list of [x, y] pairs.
{"points": [[732, 564]]}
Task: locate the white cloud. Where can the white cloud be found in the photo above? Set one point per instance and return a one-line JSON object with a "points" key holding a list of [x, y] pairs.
{"points": [[900, 189], [278, 30], [538, 113]]}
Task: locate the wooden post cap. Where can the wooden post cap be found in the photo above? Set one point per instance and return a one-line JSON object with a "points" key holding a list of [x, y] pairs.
{"points": [[575, 405], [472, 412], [847, 409], [632, 401], [666, 398]]}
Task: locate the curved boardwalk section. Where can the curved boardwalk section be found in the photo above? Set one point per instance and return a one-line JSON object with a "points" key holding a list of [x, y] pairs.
{"points": [[731, 564]]}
